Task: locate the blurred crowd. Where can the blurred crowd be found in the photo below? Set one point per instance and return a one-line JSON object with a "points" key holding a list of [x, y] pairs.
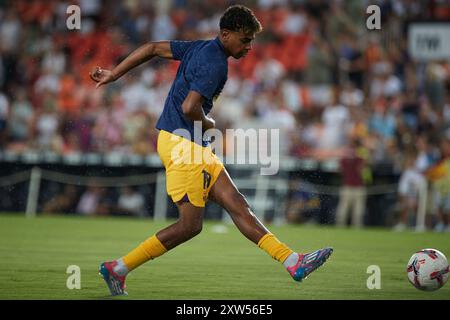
{"points": [[95, 200], [316, 73]]}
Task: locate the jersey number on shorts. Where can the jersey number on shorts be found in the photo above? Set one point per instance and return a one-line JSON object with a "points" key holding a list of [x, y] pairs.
{"points": [[206, 179]]}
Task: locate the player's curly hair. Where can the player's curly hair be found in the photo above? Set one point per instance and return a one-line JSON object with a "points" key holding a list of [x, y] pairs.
{"points": [[240, 18]]}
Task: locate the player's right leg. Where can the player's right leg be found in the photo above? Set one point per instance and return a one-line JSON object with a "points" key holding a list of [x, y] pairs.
{"points": [[299, 266], [188, 226], [180, 181]]}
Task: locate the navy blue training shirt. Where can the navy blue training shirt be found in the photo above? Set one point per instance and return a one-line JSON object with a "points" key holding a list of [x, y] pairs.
{"points": [[204, 69]]}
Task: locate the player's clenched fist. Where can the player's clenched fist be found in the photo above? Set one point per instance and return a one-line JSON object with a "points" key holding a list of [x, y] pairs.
{"points": [[102, 76]]}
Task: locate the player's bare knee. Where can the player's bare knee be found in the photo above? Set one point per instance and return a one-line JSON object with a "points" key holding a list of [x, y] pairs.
{"points": [[192, 232], [197, 230], [190, 229]]}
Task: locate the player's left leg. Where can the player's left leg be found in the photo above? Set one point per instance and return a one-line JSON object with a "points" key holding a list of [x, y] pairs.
{"points": [[188, 225], [225, 193]]}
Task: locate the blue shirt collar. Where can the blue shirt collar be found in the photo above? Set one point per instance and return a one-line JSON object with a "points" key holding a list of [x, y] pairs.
{"points": [[219, 43]]}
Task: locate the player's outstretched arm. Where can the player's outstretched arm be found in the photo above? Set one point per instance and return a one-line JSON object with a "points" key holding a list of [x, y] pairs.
{"points": [[140, 55]]}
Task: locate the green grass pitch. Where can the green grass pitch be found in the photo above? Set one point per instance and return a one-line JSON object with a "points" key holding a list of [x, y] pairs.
{"points": [[35, 254]]}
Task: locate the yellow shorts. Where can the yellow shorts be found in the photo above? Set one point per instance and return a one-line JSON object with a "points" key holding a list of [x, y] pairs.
{"points": [[191, 170]]}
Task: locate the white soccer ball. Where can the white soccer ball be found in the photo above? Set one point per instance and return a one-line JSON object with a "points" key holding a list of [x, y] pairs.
{"points": [[428, 269]]}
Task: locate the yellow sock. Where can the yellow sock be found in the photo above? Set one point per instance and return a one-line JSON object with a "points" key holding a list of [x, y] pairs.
{"points": [[277, 250], [147, 250]]}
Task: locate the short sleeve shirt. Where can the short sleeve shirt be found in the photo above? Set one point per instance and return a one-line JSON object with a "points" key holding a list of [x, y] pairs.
{"points": [[204, 69]]}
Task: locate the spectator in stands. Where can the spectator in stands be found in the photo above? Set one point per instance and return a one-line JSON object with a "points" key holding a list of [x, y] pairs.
{"points": [[411, 184], [385, 83], [351, 96], [439, 175], [54, 60], [146, 141], [93, 202], [107, 132], [353, 191], [10, 31], [4, 115], [65, 202], [133, 128], [321, 62], [268, 72], [336, 121], [435, 76], [131, 202], [427, 154], [382, 121], [446, 110], [46, 126], [20, 120]]}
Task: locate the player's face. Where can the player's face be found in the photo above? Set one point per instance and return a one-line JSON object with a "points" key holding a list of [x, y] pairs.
{"points": [[238, 44]]}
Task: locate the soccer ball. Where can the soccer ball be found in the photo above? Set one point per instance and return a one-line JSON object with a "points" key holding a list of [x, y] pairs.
{"points": [[428, 269]]}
